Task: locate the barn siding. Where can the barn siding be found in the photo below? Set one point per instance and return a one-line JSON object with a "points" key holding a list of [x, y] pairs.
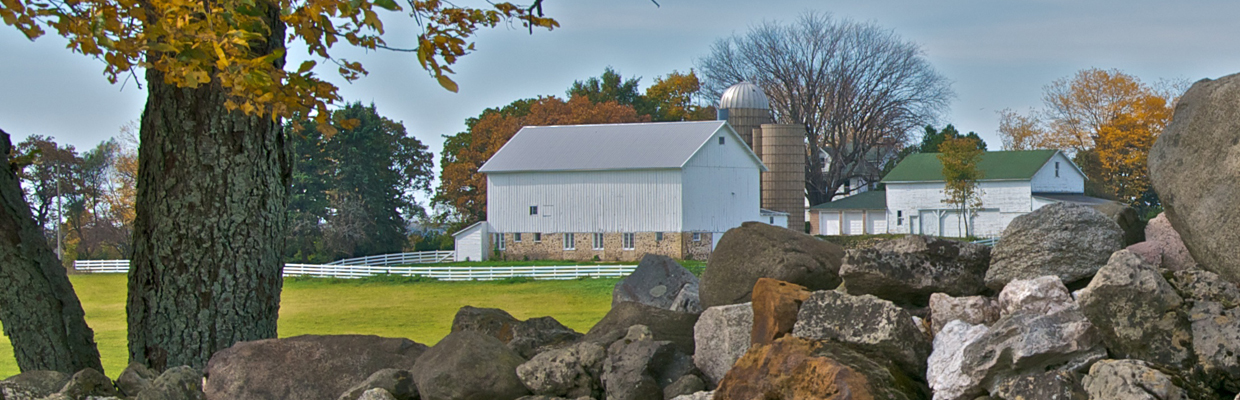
{"points": [[586, 201], [1070, 180], [1007, 199], [721, 188]]}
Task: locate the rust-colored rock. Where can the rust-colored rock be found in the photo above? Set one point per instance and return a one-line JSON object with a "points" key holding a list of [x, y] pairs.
{"points": [[794, 368], [775, 306]]}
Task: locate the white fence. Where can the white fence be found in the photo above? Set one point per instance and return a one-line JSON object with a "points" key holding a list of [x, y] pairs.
{"points": [[102, 266], [421, 257]]}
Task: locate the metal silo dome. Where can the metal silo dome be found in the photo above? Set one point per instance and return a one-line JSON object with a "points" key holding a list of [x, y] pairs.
{"points": [[744, 95]]}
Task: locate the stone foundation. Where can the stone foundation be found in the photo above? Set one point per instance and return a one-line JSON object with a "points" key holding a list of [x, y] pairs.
{"points": [[677, 245]]}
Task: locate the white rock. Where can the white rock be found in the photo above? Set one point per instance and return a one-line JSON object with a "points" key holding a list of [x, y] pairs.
{"points": [[721, 336], [945, 374], [973, 310], [1042, 295]]}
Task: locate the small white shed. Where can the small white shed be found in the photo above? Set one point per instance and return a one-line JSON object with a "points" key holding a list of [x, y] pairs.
{"points": [[472, 243]]}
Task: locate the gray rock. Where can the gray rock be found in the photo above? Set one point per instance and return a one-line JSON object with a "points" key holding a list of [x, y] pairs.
{"points": [[722, 337], [1216, 342], [689, 300], [376, 394], [1138, 313], [1200, 285], [1041, 295], [18, 391], [34, 383], [974, 310], [1195, 168], [1129, 380], [1066, 240], [686, 385], [946, 373], [88, 382], [570, 372], [134, 379], [867, 323], [696, 396], [1049, 385], [658, 281], [756, 250], [536, 335], [178, 383], [326, 366], [1126, 218], [492, 322], [397, 383], [908, 270], [468, 365], [1175, 255], [1024, 343], [638, 370], [676, 327]]}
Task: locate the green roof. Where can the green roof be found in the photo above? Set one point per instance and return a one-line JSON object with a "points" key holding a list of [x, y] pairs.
{"points": [[995, 165], [871, 200]]}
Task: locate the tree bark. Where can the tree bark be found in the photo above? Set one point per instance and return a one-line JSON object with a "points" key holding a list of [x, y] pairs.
{"points": [[213, 187], [42, 315]]}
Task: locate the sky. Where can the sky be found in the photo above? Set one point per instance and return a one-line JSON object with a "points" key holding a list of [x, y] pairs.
{"points": [[997, 53]]}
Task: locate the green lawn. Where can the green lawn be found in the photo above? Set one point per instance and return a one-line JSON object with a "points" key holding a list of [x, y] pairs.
{"points": [[383, 306]]}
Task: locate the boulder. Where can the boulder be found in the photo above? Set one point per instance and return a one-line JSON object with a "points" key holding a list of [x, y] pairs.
{"points": [[326, 366], [1066, 240], [756, 250], [909, 269], [569, 372], [974, 310], [696, 396], [88, 382], [178, 383], [396, 383], [34, 383], [946, 372], [721, 337], [1150, 252], [18, 391], [686, 385], [1138, 313], [868, 324], [1195, 168], [1216, 342], [688, 301], [658, 281], [676, 327], [1024, 343], [376, 394], [1041, 295], [798, 368], [775, 307], [1049, 385], [468, 365], [1201, 285], [1163, 236], [1129, 380], [1127, 219], [642, 369], [134, 379], [527, 337]]}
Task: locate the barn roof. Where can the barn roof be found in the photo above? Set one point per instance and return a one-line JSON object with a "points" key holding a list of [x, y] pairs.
{"points": [[995, 166], [653, 145]]}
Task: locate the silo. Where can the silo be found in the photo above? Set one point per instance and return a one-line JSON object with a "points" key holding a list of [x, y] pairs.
{"points": [[783, 184], [746, 107]]}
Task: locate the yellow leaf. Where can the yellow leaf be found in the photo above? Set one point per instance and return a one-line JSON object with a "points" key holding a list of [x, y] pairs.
{"points": [[447, 83]]}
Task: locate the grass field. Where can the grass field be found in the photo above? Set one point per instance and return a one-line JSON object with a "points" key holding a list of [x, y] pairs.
{"points": [[385, 306]]}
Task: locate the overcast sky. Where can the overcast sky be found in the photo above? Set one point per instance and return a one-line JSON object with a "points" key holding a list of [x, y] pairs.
{"points": [[998, 54]]}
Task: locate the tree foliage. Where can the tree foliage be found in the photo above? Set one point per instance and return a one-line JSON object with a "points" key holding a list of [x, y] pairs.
{"points": [[670, 98], [960, 156], [462, 190], [354, 191], [931, 139], [856, 88]]}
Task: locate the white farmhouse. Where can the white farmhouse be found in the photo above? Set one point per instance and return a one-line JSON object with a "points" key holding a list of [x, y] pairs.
{"points": [[619, 191], [1014, 183]]}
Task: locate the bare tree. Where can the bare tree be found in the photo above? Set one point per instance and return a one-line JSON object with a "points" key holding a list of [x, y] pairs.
{"points": [[859, 89]]}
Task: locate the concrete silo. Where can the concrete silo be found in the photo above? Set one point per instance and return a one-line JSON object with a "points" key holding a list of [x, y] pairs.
{"points": [[783, 184], [746, 108]]}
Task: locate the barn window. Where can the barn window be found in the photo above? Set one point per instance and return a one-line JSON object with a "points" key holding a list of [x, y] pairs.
{"points": [[533, 210], [1056, 169], [537, 237], [899, 217], [772, 221], [516, 237], [721, 140], [658, 236], [697, 236], [628, 241], [569, 242], [499, 241], [598, 241]]}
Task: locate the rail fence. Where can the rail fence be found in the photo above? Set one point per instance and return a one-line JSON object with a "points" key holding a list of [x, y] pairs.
{"points": [[421, 257], [988, 241]]}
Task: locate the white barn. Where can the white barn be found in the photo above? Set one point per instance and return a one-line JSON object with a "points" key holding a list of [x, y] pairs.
{"points": [[618, 191]]}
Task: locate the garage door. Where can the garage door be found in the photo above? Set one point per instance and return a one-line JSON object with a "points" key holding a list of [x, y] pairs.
{"points": [[952, 224], [829, 223], [877, 222], [854, 223]]}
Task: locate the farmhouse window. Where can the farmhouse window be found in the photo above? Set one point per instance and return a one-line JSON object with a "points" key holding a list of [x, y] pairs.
{"points": [[721, 140], [516, 237], [628, 241], [533, 210], [537, 237], [697, 236], [568, 242], [598, 241], [1056, 169], [899, 217]]}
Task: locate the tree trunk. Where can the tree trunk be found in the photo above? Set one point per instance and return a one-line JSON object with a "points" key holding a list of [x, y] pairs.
{"points": [[213, 187], [42, 315]]}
